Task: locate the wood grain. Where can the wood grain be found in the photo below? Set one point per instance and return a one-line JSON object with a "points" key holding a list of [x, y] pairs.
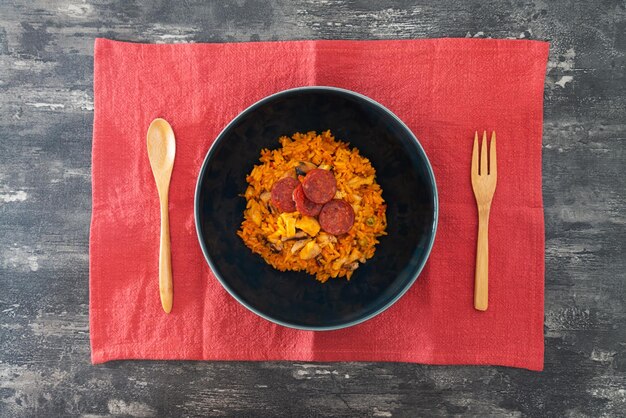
{"points": [[46, 116], [161, 145], [484, 175]]}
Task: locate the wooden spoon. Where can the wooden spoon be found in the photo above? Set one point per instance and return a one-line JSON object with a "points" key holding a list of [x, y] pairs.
{"points": [[161, 152]]}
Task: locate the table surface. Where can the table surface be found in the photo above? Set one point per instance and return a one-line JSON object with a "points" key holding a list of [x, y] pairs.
{"points": [[46, 115]]}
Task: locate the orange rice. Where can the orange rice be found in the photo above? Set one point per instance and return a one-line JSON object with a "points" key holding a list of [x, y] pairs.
{"points": [[291, 241]]}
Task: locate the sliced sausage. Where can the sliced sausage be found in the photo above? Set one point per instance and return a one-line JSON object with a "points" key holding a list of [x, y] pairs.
{"points": [[303, 204], [282, 193], [336, 217], [319, 185]]}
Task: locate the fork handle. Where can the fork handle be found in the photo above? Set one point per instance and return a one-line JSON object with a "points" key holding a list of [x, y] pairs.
{"points": [[481, 283]]}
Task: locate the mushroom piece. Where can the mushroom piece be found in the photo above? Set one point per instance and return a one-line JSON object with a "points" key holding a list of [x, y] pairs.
{"points": [[304, 167], [289, 173], [276, 246], [298, 245], [352, 266], [298, 235]]}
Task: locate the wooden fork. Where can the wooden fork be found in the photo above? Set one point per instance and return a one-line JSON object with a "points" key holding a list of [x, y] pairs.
{"points": [[484, 180]]}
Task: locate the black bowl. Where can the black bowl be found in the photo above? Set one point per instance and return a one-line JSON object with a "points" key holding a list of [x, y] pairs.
{"points": [[295, 299]]}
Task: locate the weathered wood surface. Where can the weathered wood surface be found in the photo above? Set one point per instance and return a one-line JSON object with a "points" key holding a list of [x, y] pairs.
{"points": [[46, 114]]}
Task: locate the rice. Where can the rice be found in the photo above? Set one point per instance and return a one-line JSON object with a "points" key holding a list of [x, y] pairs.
{"points": [[281, 238]]}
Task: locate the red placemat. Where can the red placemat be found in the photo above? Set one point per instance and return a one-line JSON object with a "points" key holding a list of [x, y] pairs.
{"points": [[443, 89]]}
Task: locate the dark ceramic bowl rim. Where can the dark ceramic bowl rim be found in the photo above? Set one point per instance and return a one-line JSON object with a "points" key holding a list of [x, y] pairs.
{"points": [[429, 246]]}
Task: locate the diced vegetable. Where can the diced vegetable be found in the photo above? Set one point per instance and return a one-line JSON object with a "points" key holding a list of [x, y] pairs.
{"points": [[324, 239], [310, 250], [308, 225], [286, 227], [339, 263], [265, 196], [255, 212], [357, 182], [287, 224]]}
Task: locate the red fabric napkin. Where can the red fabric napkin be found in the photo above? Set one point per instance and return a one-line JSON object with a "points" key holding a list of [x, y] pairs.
{"points": [[443, 89]]}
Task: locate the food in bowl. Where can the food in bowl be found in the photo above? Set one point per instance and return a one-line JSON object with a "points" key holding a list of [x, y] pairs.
{"points": [[313, 205]]}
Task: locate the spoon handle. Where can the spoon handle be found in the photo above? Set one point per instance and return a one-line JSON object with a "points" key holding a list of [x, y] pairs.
{"points": [[165, 260]]}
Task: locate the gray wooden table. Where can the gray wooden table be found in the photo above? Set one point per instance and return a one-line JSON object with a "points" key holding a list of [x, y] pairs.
{"points": [[46, 115]]}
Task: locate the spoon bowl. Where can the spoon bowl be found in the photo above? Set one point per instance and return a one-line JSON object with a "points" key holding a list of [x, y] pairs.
{"points": [[161, 149]]}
